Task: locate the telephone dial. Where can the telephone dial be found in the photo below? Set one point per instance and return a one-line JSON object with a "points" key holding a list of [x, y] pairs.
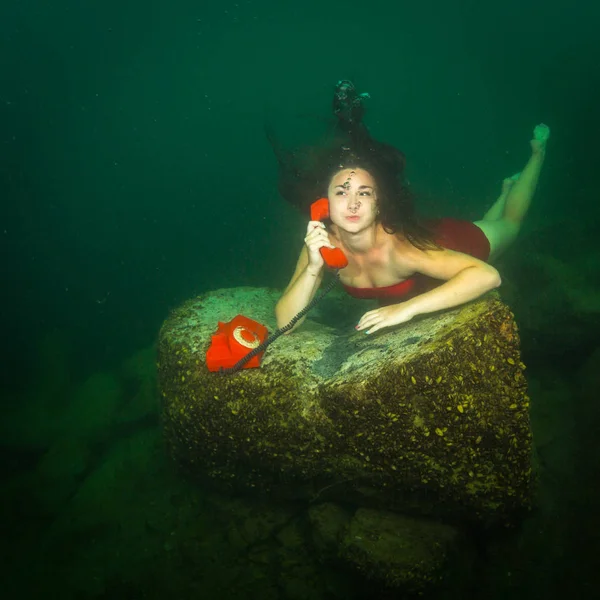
{"points": [[233, 341]]}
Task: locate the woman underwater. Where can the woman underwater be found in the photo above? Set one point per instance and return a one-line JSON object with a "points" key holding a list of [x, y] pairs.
{"points": [[411, 268]]}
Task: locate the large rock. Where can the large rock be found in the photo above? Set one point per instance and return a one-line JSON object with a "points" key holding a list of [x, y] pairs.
{"points": [[431, 418], [413, 554], [408, 553]]}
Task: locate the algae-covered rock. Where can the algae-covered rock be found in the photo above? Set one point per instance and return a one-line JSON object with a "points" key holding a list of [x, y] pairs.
{"points": [[328, 521], [409, 553], [401, 552], [431, 417]]}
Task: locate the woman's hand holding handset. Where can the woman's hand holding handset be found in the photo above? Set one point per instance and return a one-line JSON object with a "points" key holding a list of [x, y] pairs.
{"points": [[316, 238]]}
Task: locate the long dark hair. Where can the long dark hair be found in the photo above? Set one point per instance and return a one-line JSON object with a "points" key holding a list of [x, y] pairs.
{"points": [[305, 174]]}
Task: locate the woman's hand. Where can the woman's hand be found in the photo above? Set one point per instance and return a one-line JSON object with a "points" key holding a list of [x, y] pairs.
{"points": [[316, 238], [386, 316]]}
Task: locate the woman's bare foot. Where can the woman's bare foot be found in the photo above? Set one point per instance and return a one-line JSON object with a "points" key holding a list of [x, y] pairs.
{"points": [[509, 182], [541, 134], [497, 209]]}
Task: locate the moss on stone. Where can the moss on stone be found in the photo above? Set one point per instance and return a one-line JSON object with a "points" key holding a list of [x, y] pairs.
{"points": [[407, 553], [429, 418]]}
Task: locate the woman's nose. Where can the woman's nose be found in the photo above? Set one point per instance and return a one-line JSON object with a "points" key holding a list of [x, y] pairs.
{"points": [[353, 203]]}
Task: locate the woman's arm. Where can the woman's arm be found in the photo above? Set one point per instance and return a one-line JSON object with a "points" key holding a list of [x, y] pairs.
{"points": [[299, 292], [468, 284], [466, 278], [307, 276]]}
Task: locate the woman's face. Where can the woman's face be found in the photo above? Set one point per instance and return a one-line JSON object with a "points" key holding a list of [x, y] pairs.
{"points": [[352, 199]]}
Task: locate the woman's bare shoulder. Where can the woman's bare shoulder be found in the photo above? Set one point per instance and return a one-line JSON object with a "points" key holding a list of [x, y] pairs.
{"points": [[403, 250], [404, 255]]}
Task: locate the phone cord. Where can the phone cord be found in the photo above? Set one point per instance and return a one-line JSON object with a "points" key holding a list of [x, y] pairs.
{"points": [[240, 363]]}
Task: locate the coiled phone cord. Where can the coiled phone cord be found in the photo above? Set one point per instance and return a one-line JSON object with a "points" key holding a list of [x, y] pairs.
{"points": [[240, 363]]}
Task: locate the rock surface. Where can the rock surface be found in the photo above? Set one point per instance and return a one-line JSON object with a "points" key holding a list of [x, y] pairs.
{"points": [[429, 419], [413, 554]]}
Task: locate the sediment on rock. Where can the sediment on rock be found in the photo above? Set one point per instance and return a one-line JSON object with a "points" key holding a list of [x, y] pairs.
{"points": [[430, 418]]}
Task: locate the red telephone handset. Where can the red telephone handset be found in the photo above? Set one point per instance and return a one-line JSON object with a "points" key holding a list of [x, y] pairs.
{"points": [[333, 257]]}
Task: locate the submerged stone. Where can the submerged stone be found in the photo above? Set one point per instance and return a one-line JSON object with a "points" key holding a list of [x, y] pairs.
{"points": [[401, 552], [430, 418]]}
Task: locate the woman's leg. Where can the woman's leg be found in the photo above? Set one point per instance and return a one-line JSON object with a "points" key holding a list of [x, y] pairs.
{"points": [[502, 223], [497, 209]]}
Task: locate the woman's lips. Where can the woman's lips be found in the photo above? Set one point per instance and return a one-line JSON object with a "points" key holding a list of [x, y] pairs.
{"points": [[353, 218]]}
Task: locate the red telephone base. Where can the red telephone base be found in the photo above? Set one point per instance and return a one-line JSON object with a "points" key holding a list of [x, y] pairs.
{"points": [[233, 341]]}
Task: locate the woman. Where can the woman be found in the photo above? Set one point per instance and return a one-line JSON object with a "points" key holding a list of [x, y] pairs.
{"points": [[411, 268]]}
